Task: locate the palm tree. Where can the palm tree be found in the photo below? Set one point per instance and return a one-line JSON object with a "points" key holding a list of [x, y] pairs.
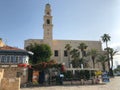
{"points": [[68, 49], [102, 59], [82, 47], [106, 38], [93, 53], [112, 52], [75, 55]]}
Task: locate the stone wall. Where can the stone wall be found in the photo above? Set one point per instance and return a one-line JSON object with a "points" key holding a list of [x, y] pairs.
{"points": [[59, 45], [1, 75], [10, 84], [12, 72]]}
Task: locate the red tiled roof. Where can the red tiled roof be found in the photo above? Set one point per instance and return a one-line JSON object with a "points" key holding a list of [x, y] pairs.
{"points": [[9, 48]]}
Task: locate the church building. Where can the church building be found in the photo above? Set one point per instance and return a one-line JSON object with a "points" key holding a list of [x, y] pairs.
{"points": [[58, 46]]}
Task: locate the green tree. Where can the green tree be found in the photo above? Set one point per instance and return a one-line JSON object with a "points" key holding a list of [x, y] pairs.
{"points": [[105, 39], [68, 49], [102, 59], [93, 53], [82, 47], [75, 55], [42, 52], [111, 53]]}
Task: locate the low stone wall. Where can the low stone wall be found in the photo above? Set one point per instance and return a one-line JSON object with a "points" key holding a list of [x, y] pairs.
{"points": [[10, 84], [12, 71], [1, 75]]}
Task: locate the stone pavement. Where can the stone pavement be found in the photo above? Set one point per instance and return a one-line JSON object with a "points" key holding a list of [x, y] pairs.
{"points": [[114, 84]]}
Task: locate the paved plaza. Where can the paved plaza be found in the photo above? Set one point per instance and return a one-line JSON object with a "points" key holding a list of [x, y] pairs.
{"points": [[114, 84]]}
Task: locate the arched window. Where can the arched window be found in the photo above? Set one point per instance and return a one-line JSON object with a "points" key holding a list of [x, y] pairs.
{"points": [[48, 21]]}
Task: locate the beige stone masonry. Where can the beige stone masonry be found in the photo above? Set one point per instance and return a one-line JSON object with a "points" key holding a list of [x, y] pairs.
{"points": [[1, 75], [10, 84], [12, 72]]}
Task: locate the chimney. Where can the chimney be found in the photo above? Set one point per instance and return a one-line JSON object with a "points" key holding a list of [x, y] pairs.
{"points": [[1, 43]]}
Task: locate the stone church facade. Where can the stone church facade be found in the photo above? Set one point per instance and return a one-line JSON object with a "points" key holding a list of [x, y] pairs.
{"points": [[58, 46]]}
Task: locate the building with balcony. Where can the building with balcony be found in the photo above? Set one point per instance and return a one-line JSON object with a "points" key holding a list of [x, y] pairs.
{"points": [[14, 61]]}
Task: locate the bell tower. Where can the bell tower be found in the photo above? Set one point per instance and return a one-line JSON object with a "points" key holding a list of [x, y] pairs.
{"points": [[48, 26]]}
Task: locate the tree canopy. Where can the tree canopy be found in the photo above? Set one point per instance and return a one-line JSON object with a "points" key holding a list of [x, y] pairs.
{"points": [[68, 49], [42, 53], [93, 53], [106, 38], [102, 59]]}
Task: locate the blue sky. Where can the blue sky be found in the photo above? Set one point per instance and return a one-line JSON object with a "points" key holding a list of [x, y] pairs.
{"points": [[72, 19]]}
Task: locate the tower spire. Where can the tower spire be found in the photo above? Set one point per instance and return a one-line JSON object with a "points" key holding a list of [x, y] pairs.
{"points": [[47, 26]]}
